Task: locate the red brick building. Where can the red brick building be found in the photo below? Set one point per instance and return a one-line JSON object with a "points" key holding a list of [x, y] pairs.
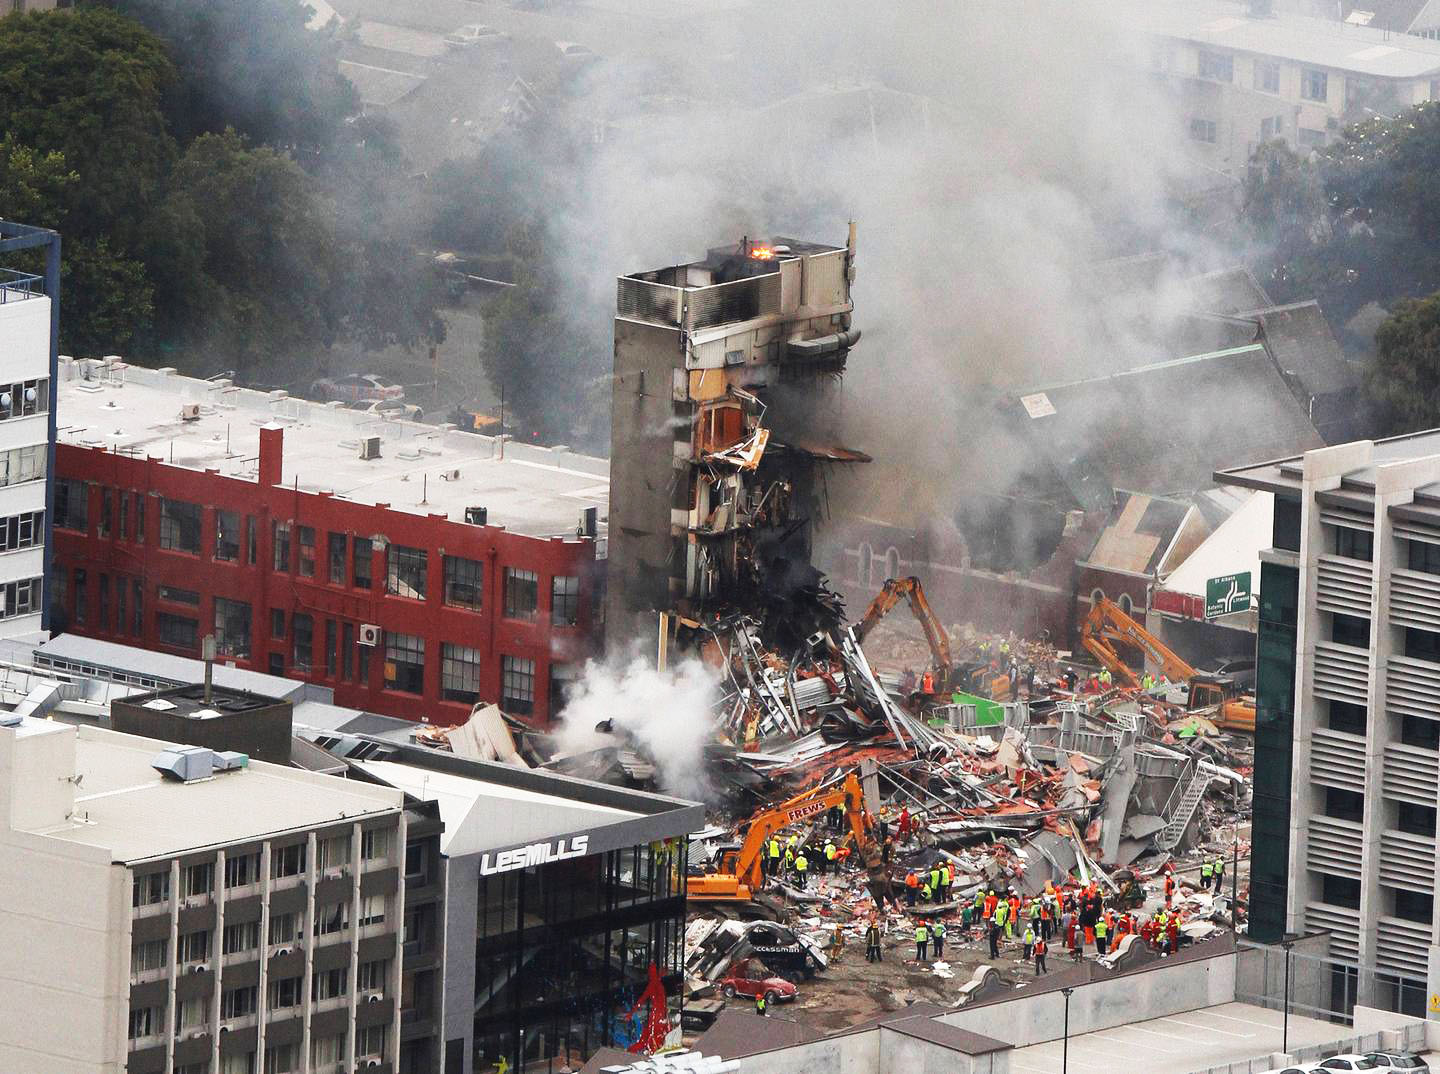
{"points": [[305, 558]]}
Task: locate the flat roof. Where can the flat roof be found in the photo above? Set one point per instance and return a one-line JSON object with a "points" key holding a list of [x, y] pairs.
{"points": [[128, 808], [1283, 474], [422, 469], [117, 659], [1328, 43]]}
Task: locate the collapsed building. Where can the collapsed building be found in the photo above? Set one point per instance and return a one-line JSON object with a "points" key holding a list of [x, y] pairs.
{"points": [[725, 380]]}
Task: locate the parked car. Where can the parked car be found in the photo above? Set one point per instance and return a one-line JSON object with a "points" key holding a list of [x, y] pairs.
{"points": [[475, 35], [1348, 1061], [744, 980], [357, 387], [576, 53], [1399, 1061], [389, 408]]}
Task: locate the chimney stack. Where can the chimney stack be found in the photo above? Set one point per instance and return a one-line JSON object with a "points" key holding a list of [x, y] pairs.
{"points": [[272, 454]]}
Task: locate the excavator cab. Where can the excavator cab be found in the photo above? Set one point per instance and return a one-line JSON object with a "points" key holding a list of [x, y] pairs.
{"points": [[1210, 691]]}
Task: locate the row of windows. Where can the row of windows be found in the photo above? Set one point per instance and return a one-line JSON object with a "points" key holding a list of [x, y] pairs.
{"points": [[22, 398], [22, 531], [371, 1042], [1220, 67]]}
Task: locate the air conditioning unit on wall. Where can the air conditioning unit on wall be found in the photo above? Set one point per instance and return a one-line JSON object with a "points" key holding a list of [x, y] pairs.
{"points": [[369, 634]]}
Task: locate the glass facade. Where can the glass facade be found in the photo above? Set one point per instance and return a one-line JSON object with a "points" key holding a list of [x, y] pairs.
{"points": [[1274, 749], [564, 950]]}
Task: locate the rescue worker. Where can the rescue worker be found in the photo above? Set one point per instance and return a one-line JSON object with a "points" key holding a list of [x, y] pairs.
{"points": [[1040, 957], [927, 682], [1219, 872], [922, 939], [872, 942], [912, 887], [935, 878], [925, 891], [1102, 937], [760, 1004], [1046, 917], [1028, 942], [802, 867], [1035, 904], [1207, 871], [967, 915], [827, 859], [1106, 679], [992, 902], [789, 856], [994, 931], [946, 879], [1002, 912], [773, 861], [937, 936], [1169, 889], [1012, 918]]}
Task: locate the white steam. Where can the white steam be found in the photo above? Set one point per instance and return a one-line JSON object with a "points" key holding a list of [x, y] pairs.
{"points": [[669, 713]]}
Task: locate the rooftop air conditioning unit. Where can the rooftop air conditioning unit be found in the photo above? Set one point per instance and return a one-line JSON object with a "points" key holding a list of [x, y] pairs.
{"points": [[190, 412], [369, 447], [369, 634]]}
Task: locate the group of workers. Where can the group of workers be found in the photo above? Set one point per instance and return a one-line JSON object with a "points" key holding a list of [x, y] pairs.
{"points": [[932, 885], [792, 860]]}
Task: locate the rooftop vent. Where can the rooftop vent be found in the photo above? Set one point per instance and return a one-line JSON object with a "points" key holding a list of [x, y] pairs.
{"points": [[186, 764], [11, 719], [477, 516], [369, 447], [230, 761]]}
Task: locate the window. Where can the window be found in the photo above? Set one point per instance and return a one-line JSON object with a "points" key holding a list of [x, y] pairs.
{"points": [[459, 673], [464, 582], [363, 551], [1348, 717], [1354, 544], [522, 593], [1418, 731], [282, 1058], [277, 623], [104, 602], [371, 975], [1416, 819], [284, 928], [1422, 645], [122, 589], [517, 685], [325, 1052], [335, 557], [152, 955], [374, 844], [194, 946], [331, 919], [176, 630], [330, 648], [25, 397], [347, 651], [372, 910], [252, 543], [404, 663], [275, 664], [107, 512], [241, 937], [287, 861], [1350, 630], [238, 1002], [149, 889], [227, 536], [286, 992], [405, 571], [145, 1022], [232, 628], [1413, 906], [238, 1062], [138, 624], [175, 595], [81, 595], [1203, 130], [563, 678], [1341, 891], [22, 598], [22, 464], [865, 564], [124, 515], [72, 504], [564, 600], [329, 984], [1424, 556], [1344, 805], [198, 879], [1216, 66], [280, 543], [242, 869], [370, 1041], [180, 526], [1314, 85], [302, 634], [1272, 127], [139, 518], [1267, 76], [363, 671], [193, 1012], [334, 852], [306, 540], [415, 859], [1310, 139]]}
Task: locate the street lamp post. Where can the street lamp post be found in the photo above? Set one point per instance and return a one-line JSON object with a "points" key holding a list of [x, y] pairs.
{"points": [[1065, 1045], [1285, 1030]]}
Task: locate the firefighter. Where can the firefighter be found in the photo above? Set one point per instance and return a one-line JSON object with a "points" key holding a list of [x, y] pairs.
{"points": [[1102, 937], [1040, 957], [802, 866], [912, 887], [922, 939], [946, 879], [872, 942], [773, 861], [1207, 870], [937, 936], [1169, 889], [1028, 941], [827, 859]]}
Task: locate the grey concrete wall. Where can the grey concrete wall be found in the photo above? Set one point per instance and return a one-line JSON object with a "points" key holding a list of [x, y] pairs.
{"points": [[1261, 975], [1134, 997], [462, 893], [899, 1052], [853, 1053]]}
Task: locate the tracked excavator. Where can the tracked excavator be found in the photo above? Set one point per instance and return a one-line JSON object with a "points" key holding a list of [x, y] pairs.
{"points": [[909, 589], [1216, 697]]}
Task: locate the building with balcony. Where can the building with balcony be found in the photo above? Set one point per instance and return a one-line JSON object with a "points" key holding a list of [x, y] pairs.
{"points": [[413, 570], [726, 372], [176, 909], [29, 320], [1348, 712]]}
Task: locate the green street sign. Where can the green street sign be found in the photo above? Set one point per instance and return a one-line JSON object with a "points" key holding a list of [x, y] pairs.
{"points": [[1226, 594]]}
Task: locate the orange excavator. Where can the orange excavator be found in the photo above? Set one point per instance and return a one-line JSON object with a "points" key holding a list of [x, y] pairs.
{"points": [[1216, 697], [739, 877], [892, 593]]}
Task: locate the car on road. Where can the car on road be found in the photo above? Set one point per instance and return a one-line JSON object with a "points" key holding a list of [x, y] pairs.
{"points": [[1407, 1061], [1348, 1061], [576, 53], [747, 979], [357, 388], [473, 36]]}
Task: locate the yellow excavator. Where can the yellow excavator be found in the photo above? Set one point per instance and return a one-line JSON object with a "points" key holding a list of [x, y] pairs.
{"points": [[1216, 697], [739, 876]]}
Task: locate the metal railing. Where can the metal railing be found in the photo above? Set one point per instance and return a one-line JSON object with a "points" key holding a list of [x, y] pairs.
{"points": [[17, 286]]}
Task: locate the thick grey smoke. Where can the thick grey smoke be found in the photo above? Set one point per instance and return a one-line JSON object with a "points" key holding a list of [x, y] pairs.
{"points": [[670, 714]]}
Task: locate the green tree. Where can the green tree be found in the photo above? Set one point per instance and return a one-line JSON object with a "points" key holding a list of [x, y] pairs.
{"points": [[1405, 378], [34, 187]]}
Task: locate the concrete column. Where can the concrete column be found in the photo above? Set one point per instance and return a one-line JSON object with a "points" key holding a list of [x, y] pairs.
{"points": [[397, 925], [311, 872], [263, 1000]]}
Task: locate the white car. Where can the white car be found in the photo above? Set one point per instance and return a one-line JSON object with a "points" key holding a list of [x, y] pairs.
{"points": [[1348, 1061], [576, 53], [475, 35]]}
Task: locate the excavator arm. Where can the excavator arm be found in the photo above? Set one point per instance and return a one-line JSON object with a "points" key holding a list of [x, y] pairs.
{"points": [[740, 873], [891, 593], [1107, 626]]}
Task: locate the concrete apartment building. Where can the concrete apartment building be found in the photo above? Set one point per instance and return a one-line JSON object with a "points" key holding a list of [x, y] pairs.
{"points": [[1241, 79], [724, 369], [411, 569], [29, 331], [1347, 743], [171, 909]]}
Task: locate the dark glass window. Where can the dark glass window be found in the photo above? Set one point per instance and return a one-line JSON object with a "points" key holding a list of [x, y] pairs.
{"points": [[1418, 731], [464, 582], [1354, 544], [1422, 644], [1344, 805], [232, 628], [280, 542], [1286, 533], [336, 557], [1424, 556], [305, 538], [460, 673], [405, 571], [564, 600], [227, 536], [124, 515], [1413, 906], [107, 511], [72, 504], [277, 622], [517, 685], [1341, 891], [176, 595], [522, 593], [180, 526], [562, 680], [363, 551], [104, 602], [1348, 717], [139, 611], [347, 651], [404, 663], [330, 642], [139, 518], [1350, 630], [81, 610], [252, 542], [22, 531], [176, 630], [302, 636], [1416, 819]]}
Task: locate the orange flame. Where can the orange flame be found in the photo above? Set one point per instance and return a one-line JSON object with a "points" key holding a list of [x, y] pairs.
{"points": [[762, 253]]}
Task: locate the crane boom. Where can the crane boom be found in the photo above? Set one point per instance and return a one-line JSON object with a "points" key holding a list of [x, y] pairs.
{"points": [[891, 593], [1107, 625]]}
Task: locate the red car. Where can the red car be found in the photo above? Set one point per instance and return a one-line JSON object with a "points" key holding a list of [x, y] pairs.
{"points": [[738, 983]]}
